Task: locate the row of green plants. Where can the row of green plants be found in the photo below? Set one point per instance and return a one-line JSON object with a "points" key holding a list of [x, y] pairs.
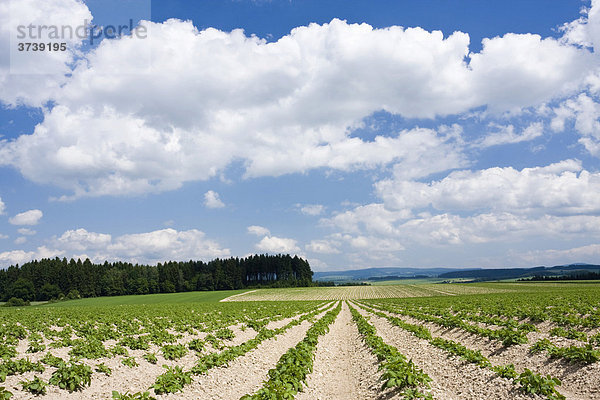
{"points": [[570, 333], [286, 379], [135, 328], [69, 376], [507, 336], [18, 367], [585, 354], [450, 346], [575, 334], [399, 373], [84, 329], [563, 305], [174, 379], [527, 381], [464, 313]]}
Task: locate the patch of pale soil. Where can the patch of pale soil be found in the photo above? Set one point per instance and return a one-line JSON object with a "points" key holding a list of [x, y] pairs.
{"points": [[546, 326], [246, 374], [492, 344], [283, 322], [343, 368], [452, 379], [579, 381], [124, 378], [437, 290], [241, 336], [220, 383], [233, 298]]}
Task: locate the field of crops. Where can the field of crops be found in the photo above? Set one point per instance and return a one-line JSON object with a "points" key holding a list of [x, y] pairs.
{"points": [[363, 292], [502, 341]]}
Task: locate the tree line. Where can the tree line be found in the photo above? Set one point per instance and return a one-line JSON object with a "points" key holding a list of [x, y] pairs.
{"points": [[48, 279], [581, 276]]}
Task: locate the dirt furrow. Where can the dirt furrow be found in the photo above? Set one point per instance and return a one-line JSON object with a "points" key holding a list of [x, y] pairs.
{"points": [[343, 368], [579, 381], [452, 379], [246, 374], [238, 380]]}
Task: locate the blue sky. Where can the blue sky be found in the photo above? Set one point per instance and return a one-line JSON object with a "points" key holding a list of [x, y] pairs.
{"points": [[355, 134]]}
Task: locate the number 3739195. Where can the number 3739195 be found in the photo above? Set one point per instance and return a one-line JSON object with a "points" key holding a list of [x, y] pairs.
{"points": [[50, 46]]}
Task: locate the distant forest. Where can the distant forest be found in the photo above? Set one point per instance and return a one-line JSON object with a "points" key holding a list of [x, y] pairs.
{"points": [[55, 278], [587, 276]]}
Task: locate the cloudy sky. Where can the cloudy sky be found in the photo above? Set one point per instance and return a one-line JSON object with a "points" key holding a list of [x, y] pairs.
{"points": [[457, 134]]}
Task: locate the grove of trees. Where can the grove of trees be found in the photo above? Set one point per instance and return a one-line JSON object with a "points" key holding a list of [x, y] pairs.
{"points": [[54, 278]]}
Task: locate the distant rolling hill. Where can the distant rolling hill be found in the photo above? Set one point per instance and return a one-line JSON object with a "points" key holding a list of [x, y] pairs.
{"points": [[360, 274], [515, 273], [483, 274]]}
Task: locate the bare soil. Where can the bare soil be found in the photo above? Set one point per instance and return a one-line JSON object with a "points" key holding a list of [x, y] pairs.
{"points": [[452, 379], [343, 368], [578, 381], [244, 375]]}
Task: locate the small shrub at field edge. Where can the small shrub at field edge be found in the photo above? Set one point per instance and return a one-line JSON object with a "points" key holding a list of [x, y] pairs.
{"points": [[73, 295], [16, 302]]}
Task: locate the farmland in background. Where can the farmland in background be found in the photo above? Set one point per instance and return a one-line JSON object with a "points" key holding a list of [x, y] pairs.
{"points": [[444, 341], [365, 292]]}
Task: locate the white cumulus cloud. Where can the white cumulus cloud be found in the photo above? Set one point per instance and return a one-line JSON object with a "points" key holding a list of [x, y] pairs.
{"points": [[311, 209], [323, 247], [587, 254], [148, 247], [507, 135], [83, 241], [31, 217], [213, 97], [563, 187], [258, 230], [12, 257], [15, 257], [164, 245], [584, 111], [556, 202], [35, 78], [274, 244], [212, 200]]}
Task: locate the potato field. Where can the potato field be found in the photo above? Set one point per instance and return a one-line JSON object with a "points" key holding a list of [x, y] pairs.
{"points": [[484, 341]]}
